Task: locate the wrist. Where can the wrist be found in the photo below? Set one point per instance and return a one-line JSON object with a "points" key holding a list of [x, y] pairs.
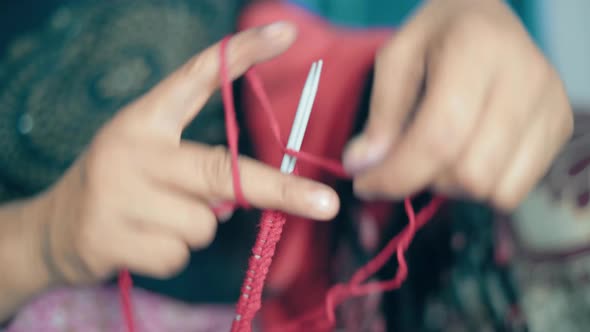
{"points": [[35, 215], [24, 274], [57, 233]]}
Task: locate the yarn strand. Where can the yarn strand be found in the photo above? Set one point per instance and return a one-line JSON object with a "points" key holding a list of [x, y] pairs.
{"points": [[125, 287], [271, 226]]}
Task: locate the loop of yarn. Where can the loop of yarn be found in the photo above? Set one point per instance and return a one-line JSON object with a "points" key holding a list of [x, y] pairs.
{"points": [[271, 226], [231, 123]]}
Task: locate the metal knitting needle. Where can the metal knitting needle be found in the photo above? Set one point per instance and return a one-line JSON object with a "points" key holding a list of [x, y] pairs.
{"points": [[309, 106], [302, 116]]}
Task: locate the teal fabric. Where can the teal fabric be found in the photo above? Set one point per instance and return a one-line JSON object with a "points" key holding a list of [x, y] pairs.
{"points": [[381, 13], [66, 67], [361, 13]]}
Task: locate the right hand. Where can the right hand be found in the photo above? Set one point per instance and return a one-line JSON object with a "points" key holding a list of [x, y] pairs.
{"points": [[140, 197]]}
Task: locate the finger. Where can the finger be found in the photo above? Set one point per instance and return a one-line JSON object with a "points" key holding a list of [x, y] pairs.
{"points": [[177, 214], [455, 96], [155, 255], [206, 172], [399, 70], [399, 75], [223, 210], [173, 103], [446, 185], [541, 143], [510, 108]]}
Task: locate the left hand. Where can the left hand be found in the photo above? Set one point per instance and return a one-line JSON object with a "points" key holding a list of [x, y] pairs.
{"points": [[491, 114]]}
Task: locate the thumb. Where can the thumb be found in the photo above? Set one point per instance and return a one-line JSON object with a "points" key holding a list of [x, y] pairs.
{"points": [[399, 71], [173, 103]]}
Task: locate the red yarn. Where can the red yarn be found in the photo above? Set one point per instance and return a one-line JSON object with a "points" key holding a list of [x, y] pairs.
{"points": [[232, 129], [271, 226], [125, 286], [250, 301]]}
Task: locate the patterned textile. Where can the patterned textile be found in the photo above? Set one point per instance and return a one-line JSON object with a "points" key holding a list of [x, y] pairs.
{"points": [[551, 239], [60, 83], [98, 310]]}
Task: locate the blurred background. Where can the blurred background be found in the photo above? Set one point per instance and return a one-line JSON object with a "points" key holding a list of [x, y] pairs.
{"points": [[559, 27]]}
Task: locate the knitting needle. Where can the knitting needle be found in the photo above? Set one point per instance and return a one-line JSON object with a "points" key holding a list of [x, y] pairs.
{"points": [[307, 113], [297, 131], [310, 99], [301, 109], [302, 116]]}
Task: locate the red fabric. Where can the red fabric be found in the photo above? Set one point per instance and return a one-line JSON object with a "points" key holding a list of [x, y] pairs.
{"points": [[271, 226], [299, 275]]}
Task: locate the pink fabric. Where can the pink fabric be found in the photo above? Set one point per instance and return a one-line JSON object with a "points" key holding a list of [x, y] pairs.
{"points": [[98, 309]]}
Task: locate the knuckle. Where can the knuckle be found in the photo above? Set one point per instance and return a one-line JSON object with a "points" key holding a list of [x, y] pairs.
{"points": [[448, 129], [506, 202], [176, 259], [472, 180], [206, 228], [217, 169], [509, 129], [208, 231], [286, 191], [464, 35], [510, 195], [440, 144], [399, 58], [470, 28]]}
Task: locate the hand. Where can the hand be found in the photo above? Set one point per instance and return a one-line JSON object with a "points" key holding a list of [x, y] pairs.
{"points": [[491, 112], [139, 198]]}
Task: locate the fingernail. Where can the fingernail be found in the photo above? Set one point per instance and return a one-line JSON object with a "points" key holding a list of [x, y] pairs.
{"points": [[322, 201], [224, 217], [223, 211], [362, 154], [278, 31]]}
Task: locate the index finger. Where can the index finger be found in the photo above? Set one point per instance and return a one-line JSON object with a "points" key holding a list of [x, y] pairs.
{"points": [[174, 102], [206, 173]]}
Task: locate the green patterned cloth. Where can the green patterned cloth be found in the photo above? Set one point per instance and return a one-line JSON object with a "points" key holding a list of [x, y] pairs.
{"points": [[69, 69]]}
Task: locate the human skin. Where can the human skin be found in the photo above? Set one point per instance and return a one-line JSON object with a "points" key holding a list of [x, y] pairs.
{"points": [[141, 198], [464, 103]]}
